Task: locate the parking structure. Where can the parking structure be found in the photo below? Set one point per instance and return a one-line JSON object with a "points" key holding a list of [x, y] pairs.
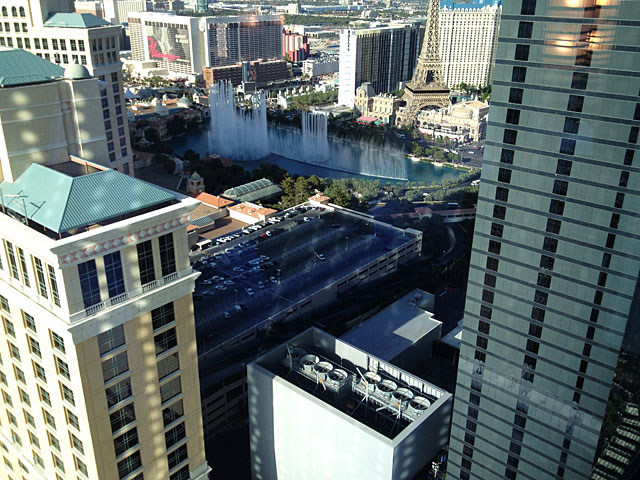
{"points": [[305, 257]]}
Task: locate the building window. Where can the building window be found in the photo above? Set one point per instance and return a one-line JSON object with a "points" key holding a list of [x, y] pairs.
{"points": [[34, 347], [525, 29], [39, 372], [485, 311], [497, 229], [54, 43], [575, 104], [560, 187], [564, 167], [42, 282], [113, 271], [81, 45], [129, 464], [571, 125], [174, 435], [49, 420], [170, 389], [513, 116], [44, 396], [515, 95], [547, 262], [145, 262], [80, 466], [615, 219], [54, 285], [165, 340], [23, 267], [115, 366], [510, 136], [127, 440], [67, 394], [168, 365], [162, 316], [118, 392], [111, 339], [57, 342], [167, 255], [502, 194], [11, 256], [177, 456], [528, 7], [172, 413], [567, 146], [4, 304], [556, 207], [504, 175], [499, 212], [62, 368], [8, 327], [522, 52], [89, 283], [123, 417], [13, 351], [74, 46], [624, 179], [553, 226], [540, 297], [519, 74]]}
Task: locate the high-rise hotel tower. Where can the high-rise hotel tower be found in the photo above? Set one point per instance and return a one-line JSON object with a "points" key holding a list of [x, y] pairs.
{"points": [[553, 284]]}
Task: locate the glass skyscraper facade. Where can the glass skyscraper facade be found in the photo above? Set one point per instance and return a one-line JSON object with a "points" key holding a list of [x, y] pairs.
{"points": [[556, 248]]}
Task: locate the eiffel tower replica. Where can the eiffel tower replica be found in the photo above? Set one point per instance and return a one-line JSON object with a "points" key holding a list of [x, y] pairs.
{"points": [[426, 87]]}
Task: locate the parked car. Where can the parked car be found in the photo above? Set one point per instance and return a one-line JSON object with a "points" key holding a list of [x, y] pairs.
{"points": [[250, 292]]}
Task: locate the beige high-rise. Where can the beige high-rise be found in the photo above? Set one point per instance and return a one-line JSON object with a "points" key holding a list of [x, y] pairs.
{"points": [[98, 361], [49, 29]]}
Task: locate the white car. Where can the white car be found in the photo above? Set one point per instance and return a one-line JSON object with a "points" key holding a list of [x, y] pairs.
{"points": [[250, 292], [220, 287], [273, 279], [260, 284]]}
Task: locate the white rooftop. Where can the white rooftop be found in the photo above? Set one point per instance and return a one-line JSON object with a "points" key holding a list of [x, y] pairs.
{"points": [[390, 332]]}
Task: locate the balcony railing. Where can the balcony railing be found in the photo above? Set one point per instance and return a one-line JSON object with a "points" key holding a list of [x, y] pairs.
{"points": [[129, 295]]}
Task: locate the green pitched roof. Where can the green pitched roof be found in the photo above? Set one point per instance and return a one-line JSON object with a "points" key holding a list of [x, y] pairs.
{"points": [[75, 20], [252, 191], [61, 203], [19, 67]]}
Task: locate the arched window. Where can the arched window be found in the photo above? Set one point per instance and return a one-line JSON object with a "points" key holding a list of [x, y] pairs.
{"points": [[4, 11], [22, 11], [14, 11]]}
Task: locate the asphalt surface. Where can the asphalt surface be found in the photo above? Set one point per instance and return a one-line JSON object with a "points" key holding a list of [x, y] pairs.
{"points": [[233, 296]]}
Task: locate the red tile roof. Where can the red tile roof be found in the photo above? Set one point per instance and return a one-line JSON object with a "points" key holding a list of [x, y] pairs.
{"points": [[215, 201]]}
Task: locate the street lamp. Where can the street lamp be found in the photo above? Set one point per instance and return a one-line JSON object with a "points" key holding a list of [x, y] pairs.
{"points": [[236, 291], [278, 270], [346, 237]]}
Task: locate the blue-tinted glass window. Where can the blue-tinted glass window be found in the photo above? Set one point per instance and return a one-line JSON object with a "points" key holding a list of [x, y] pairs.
{"points": [[89, 283], [113, 269]]}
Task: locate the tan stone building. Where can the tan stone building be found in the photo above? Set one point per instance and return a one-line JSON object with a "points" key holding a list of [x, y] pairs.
{"points": [[462, 121], [50, 29], [381, 107], [47, 113], [100, 373]]}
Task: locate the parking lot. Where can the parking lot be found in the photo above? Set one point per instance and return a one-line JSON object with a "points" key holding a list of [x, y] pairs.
{"points": [[248, 279]]}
